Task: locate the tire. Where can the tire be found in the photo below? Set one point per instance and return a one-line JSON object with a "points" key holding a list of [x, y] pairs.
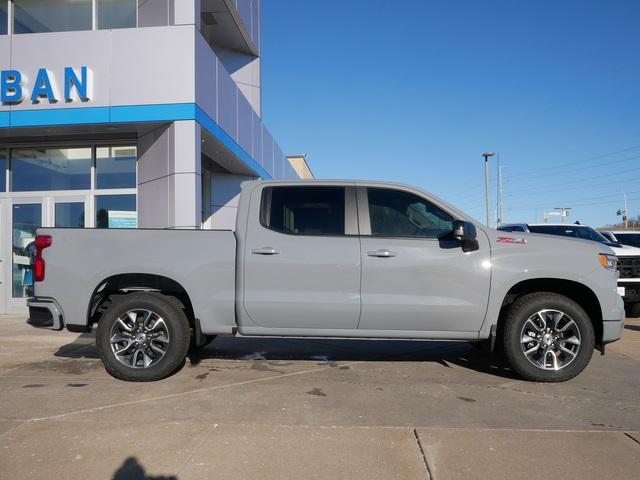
{"points": [[572, 330], [151, 348]]}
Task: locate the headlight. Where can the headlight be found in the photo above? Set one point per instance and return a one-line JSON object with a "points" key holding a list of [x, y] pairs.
{"points": [[608, 261]]}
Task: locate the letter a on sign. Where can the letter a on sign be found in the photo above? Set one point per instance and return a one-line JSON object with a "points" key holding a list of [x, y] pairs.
{"points": [[42, 86]]}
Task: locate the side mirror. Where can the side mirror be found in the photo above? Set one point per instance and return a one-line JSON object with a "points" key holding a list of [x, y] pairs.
{"points": [[466, 233]]}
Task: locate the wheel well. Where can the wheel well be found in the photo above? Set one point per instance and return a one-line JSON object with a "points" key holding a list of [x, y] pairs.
{"points": [[576, 291], [135, 282]]}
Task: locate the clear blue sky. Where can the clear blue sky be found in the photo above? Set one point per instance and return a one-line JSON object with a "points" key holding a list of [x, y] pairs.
{"points": [[415, 91]]}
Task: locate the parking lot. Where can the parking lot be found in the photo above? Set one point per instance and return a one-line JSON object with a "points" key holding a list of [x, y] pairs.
{"points": [[254, 408]]}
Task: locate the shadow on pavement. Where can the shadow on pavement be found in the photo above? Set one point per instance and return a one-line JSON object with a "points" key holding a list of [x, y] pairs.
{"points": [[132, 470], [632, 327], [329, 351]]}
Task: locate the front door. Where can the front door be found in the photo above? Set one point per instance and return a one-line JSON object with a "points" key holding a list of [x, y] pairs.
{"points": [[415, 276], [26, 217], [302, 259]]}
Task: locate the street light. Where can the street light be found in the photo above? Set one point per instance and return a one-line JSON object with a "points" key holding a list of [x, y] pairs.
{"points": [[625, 212], [486, 156]]}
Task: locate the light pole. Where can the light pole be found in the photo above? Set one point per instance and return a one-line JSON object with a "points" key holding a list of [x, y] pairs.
{"points": [[486, 156], [625, 212]]}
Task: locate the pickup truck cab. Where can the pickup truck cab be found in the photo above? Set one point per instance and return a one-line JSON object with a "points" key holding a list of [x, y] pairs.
{"points": [[338, 259]]}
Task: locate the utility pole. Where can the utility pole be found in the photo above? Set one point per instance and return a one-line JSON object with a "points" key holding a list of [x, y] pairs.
{"points": [[486, 156], [499, 198]]}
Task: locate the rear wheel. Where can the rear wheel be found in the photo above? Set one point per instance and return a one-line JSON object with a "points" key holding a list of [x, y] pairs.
{"points": [[548, 337], [143, 337]]}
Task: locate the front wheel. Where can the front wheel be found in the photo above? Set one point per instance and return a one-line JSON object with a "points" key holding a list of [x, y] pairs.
{"points": [[143, 337], [548, 337]]}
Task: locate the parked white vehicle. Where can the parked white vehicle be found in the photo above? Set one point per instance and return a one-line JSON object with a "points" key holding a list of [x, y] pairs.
{"points": [[628, 256]]}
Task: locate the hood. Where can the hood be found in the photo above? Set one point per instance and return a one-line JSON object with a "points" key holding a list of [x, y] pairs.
{"points": [[626, 251], [543, 241]]}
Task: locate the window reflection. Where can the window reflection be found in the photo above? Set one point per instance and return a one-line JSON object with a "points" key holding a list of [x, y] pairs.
{"points": [[70, 215], [116, 211], [26, 218], [3, 171], [37, 16], [37, 169], [116, 167], [4, 19], [117, 14]]}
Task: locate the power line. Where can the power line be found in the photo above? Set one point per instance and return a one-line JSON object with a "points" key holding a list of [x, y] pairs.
{"points": [[575, 162], [528, 191], [555, 172]]}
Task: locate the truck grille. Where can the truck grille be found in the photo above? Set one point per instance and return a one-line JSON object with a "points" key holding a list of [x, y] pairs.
{"points": [[629, 267]]}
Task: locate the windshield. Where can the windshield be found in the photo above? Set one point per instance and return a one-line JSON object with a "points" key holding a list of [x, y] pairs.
{"points": [[574, 231], [632, 239]]}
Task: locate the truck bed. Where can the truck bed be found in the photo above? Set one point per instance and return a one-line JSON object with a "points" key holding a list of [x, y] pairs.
{"points": [[203, 262]]}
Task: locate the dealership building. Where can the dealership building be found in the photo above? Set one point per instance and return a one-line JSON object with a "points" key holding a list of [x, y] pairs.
{"points": [[125, 114]]}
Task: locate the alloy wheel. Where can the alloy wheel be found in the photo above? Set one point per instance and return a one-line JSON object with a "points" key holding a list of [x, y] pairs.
{"points": [[139, 338]]}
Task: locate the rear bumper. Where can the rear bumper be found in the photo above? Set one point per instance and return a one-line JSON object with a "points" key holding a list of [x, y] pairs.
{"points": [[45, 312]]}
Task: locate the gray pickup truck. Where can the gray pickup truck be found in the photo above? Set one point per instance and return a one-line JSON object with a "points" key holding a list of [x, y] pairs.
{"points": [[330, 259]]}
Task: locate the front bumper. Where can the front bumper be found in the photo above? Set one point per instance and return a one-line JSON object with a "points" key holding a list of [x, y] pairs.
{"points": [[45, 312], [631, 291]]}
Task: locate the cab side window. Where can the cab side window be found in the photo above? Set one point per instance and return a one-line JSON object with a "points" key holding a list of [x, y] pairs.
{"points": [[304, 210], [394, 213]]}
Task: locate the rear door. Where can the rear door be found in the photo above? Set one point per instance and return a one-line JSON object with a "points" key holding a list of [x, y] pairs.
{"points": [[302, 258], [415, 276]]}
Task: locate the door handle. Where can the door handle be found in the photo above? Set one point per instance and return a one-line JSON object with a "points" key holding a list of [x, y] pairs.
{"points": [[382, 253], [265, 251]]}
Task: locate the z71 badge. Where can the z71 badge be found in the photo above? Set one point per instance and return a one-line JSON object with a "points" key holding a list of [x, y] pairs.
{"points": [[517, 241]]}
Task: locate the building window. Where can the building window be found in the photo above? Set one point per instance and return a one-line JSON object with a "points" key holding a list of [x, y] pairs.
{"points": [[117, 14], [4, 17], [116, 211], [69, 214], [116, 167], [39, 169], [304, 210], [3, 171], [38, 16]]}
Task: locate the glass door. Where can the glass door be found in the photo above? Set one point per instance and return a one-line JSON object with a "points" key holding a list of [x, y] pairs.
{"points": [[26, 218]]}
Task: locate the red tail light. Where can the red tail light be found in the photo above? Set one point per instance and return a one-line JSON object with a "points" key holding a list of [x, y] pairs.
{"points": [[42, 242]]}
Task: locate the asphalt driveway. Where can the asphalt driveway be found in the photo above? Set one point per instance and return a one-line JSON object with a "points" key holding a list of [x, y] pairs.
{"points": [[312, 409]]}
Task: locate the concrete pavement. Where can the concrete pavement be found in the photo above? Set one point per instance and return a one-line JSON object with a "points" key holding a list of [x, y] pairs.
{"points": [[312, 409]]}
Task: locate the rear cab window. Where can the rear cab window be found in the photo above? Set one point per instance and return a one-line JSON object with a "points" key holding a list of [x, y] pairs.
{"points": [[304, 210]]}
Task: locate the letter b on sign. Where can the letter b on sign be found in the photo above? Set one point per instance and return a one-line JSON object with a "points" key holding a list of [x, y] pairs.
{"points": [[10, 88]]}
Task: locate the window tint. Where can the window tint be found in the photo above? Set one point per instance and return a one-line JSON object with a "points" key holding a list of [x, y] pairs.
{"points": [[394, 213], [506, 229], [36, 169], [37, 16], [304, 210], [117, 14], [116, 167]]}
